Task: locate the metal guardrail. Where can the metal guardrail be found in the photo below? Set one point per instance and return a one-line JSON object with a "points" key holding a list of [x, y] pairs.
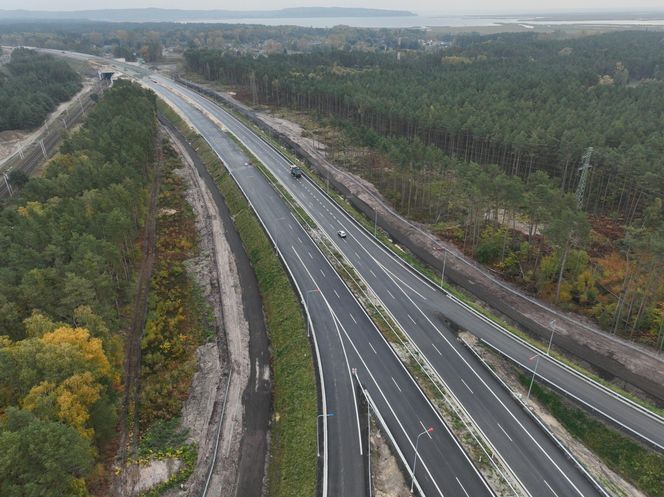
{"points": [[361, 306], [390, 211], [393, 442]]}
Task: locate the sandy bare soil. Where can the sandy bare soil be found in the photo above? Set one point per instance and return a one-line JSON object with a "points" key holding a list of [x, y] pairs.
{"points": [[9, 141], [386, 476], [211, 396], [136, 478], [218, 275]]}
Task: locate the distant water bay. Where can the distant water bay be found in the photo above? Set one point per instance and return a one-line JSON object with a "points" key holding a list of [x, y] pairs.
{"points": [[422, 21], [369, 22]]}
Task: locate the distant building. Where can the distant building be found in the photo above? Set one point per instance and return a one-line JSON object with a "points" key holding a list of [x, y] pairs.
{"points": [[106, 73]]}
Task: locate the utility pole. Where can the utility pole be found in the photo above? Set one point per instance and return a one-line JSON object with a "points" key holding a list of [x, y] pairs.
{"points": [[581, 188], [659, 334], [442, 273], [552, 324], [532, 380], [252, 85]]}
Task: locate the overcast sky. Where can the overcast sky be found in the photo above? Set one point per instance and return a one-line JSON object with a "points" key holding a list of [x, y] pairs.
{"points": [[478, 6]]}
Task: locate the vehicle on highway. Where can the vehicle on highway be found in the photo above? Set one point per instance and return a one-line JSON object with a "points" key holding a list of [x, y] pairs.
{"points": [[341, 233], [295, 171]]}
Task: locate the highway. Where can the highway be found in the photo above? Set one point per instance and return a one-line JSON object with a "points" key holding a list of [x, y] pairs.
{"points": [[347, 340], [430, 303], [538, 463]]}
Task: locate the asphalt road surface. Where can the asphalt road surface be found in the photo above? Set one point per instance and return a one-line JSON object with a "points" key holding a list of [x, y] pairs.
{"points": [[622, 412], [366, 255]]}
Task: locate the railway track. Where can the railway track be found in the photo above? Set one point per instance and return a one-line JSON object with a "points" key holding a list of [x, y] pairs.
{"points": [[45, 144]]}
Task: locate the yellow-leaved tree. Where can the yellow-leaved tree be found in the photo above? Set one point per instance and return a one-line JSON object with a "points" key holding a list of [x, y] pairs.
{"points": [[69, 402], [64, 378]]}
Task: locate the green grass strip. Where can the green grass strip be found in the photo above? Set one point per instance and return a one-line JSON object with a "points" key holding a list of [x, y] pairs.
{"points": [[292, 461]]}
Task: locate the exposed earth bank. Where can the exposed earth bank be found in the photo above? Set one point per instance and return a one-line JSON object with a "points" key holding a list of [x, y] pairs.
{"points": [[228, 408]]}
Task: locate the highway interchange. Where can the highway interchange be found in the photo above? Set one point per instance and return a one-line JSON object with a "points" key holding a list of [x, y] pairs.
{"points": [[346, 340]]}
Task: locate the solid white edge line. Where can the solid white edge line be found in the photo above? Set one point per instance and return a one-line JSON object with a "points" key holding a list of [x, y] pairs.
{"points": [[506, 434], [425, 279], [343, 348], [462, 487], [481, 380], [552, 490], [313, 332], [398, 360], [469, 389]]}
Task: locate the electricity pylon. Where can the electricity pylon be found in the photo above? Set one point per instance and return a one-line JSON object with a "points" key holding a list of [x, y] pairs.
{"points": [[581, 188]]}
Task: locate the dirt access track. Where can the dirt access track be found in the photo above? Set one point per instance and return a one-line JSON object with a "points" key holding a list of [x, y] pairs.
{"points": [[628, 365], [243, 440]]}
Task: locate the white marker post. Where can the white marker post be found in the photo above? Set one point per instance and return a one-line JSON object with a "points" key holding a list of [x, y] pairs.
{"points": [[328, 415]]}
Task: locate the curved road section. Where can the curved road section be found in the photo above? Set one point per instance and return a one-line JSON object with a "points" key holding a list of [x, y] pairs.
{"points": [[540, 465]]}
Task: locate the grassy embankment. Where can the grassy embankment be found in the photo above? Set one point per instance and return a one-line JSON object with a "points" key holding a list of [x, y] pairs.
{"points": [[640, 466], [292, 468]]}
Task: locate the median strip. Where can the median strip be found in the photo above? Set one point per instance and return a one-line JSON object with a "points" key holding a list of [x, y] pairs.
{"points": [[425, 271]]}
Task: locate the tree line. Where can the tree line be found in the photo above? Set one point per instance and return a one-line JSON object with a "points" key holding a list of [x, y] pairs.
{"points": [[31, 86], [67, 257], [483, 142], [521, 101], [528, 229], [147, 39]]}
